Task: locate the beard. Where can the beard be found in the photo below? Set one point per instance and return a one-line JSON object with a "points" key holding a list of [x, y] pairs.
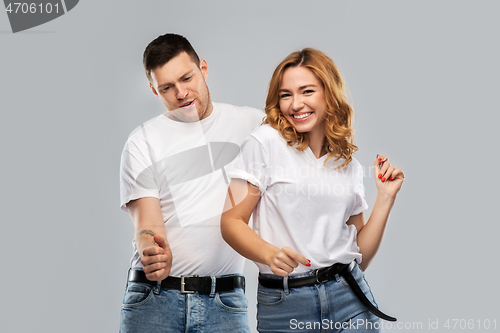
{"points": [[200, 109]]}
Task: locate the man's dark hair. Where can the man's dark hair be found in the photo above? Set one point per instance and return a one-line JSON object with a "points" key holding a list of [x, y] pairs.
{"points": [[165, 48]]}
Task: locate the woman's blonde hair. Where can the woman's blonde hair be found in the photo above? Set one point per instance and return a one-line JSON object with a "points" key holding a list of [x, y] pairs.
{"points": [[338, 119]]}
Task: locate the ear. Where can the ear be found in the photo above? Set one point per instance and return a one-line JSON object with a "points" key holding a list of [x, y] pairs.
{"points": [[153, 89], [204, 68]]}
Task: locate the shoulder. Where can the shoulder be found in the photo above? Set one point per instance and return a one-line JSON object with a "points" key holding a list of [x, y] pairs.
{"points": [[139, 135], [266, 135], [355, 169]]}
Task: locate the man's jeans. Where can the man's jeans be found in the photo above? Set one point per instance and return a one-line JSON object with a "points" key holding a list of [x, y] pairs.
{"points": [[326, 307], [148, 309]]}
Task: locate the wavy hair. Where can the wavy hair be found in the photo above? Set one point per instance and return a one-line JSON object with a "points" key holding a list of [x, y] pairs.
{"points": [[338, 120]]}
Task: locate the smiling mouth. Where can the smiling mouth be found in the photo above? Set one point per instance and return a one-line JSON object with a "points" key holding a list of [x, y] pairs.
{"points": [[301, 116], [187, 104]]}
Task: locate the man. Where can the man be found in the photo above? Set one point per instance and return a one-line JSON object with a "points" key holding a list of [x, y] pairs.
{"points": [[184, 277]]}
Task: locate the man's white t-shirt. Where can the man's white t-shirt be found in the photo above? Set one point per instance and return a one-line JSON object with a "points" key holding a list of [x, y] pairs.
{"points": [[185, 166], [304, 204]]}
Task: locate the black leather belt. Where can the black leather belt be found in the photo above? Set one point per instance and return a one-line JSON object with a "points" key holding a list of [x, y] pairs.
{"points": [[189, 284], [323, 275]]}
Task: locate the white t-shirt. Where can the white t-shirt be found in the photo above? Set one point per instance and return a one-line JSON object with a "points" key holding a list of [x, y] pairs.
{"points": [[185, 166], [304, 204]]}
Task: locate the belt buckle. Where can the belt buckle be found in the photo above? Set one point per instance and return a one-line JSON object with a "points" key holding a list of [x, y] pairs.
{"points": [[317, 277], [183, 284]]}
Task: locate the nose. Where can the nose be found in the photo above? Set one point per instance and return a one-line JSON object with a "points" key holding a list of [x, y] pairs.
{"points": [[297, 103], [180, 92]]}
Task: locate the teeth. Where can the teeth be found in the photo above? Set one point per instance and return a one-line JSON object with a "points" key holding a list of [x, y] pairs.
{"points": [[302, 115]]}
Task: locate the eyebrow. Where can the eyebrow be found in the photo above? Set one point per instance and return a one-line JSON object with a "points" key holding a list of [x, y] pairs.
{"points": [[181, 78], [300, 88]]}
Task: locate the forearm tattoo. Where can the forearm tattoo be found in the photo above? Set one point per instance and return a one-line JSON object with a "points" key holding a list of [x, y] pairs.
{"points": [[147, 232]]}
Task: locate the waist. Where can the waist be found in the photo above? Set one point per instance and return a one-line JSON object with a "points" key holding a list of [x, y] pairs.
{"points": [[309, 278], [188, 284]]}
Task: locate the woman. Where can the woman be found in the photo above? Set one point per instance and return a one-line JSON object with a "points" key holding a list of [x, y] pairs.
{"points": [[297, 175]]}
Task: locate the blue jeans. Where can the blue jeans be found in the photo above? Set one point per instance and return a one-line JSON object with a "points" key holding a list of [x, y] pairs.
{"points": [[148, 309], [325, 307]]}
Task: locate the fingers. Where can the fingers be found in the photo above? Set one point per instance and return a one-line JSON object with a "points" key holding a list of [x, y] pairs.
{"points": [[150, 260], [156, 275], [383, 169], [296, 257], [152, 251], [156, 263], [286, 260]]}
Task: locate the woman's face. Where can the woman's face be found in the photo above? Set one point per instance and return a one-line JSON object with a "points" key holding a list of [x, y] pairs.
{"points": [[302, 100]]}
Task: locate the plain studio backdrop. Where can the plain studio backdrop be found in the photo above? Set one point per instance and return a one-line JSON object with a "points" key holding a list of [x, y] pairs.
{"points": [[423, 80]]}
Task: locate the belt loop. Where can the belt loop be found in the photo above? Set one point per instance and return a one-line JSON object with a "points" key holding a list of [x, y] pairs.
{"points": [[157, 288], [212, 287], [285, 285]]}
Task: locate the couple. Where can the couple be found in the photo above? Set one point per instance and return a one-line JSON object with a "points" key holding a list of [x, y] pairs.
{"points": [[192, 177]]}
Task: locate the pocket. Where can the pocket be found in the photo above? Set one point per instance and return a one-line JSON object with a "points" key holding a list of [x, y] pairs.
{"points": [[267, 296], [234, 301], [137, 294]]}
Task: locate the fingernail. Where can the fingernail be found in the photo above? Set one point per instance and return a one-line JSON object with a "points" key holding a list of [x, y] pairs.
{"points": [[383, 179], [308, 264], [379, 175], [380, 159], [390, 178]]}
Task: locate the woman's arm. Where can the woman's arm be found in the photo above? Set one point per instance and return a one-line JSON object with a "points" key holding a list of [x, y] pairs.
{"points": [[370, 233], [241, 200]]}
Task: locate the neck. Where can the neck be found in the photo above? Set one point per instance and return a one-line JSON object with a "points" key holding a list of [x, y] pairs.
{"points": [[316, 139]]}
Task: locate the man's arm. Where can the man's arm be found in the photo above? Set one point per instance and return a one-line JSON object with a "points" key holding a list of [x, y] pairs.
{"points": [[150, 237]]}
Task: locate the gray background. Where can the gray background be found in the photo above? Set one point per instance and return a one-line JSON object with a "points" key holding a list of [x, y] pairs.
{"points": [[423, 78]]}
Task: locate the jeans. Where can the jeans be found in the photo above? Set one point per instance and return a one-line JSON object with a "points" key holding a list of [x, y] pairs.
{"points": [[325, 307], [149, 309]]}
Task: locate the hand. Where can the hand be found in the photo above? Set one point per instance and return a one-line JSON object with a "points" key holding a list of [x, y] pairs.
{"points": [[388, 178], [157, 260], [285, 260]]}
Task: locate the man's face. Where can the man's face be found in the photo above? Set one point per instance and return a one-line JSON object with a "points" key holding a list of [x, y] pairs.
{"points": [[180, 85]]}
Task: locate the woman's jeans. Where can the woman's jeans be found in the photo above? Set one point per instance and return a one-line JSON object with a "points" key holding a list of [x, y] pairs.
{"points": [[148, 309], [325, 307]]}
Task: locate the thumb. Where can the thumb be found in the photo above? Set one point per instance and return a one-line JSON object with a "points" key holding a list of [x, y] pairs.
{"points": [[162, 242]]}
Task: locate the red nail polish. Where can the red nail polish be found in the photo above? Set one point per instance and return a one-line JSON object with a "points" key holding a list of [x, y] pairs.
{"points": [[379, 175], [390, 178], [308, 264], [383, 179], [380, 159]]}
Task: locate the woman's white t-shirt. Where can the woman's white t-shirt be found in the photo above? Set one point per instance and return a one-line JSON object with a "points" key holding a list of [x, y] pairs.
{"points": [[304, 203]]}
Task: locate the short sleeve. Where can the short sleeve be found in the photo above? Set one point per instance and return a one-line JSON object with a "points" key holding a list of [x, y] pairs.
{"points": [[360, 204], [137, 178], [251, 164]]}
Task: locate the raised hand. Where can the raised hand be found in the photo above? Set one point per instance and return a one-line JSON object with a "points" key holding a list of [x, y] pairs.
{"points": [[388, 178]]}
